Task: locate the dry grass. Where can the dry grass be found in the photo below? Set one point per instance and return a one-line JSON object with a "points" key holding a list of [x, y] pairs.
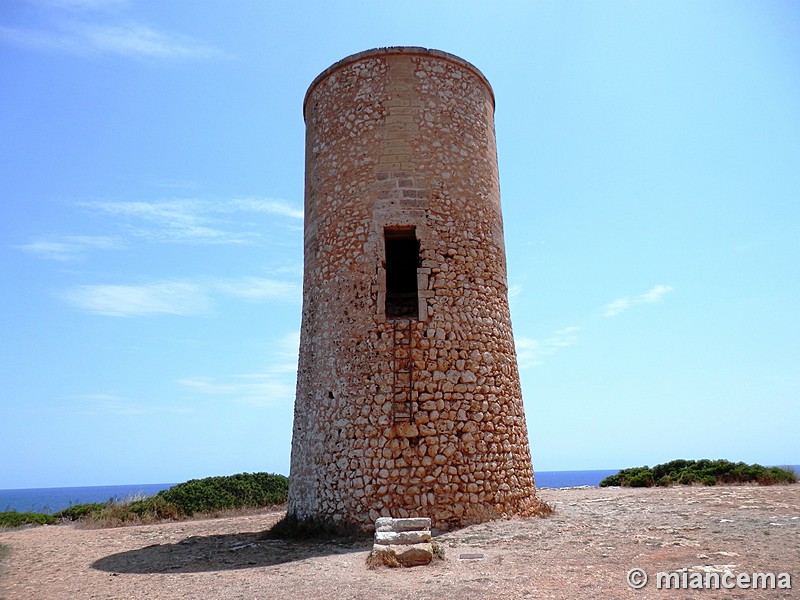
{"points": [[438, 550], [382, 559], [120, 514]]}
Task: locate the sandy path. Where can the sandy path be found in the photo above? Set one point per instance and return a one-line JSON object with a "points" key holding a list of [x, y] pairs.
{"points": [[583, 551]]}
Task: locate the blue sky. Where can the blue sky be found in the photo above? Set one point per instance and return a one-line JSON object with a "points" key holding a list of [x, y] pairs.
{"points": [[152, 190]]}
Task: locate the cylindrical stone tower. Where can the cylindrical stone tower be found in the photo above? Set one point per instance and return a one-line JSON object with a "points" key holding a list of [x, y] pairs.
{"points": [[408, 395]]}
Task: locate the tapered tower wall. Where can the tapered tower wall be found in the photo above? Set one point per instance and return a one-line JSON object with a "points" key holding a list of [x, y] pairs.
{"points": [[408, 396]]}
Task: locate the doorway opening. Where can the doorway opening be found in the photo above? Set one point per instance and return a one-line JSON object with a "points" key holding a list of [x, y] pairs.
{"points": [[402, 261]]}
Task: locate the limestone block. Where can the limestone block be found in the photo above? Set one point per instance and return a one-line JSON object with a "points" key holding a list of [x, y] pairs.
{"points": [[413, 555], [409, 524], [402, 537]]}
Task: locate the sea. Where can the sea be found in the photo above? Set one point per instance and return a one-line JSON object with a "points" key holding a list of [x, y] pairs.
{"points": [[52, 500]]}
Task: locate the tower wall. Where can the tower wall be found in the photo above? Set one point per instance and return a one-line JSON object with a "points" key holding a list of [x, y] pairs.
{"points": [[409, 409]]}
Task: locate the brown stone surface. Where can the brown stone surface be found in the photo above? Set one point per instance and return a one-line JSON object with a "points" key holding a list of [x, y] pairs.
{"points": [[414, 524], [402, 537], [407, 555], [583, 551], [422, 415]]}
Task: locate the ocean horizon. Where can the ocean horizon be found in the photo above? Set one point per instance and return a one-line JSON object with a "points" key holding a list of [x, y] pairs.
{"points": [[52, 500]]}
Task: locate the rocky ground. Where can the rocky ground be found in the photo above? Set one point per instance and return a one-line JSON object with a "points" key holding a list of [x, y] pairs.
{"points": [[584, 550]]}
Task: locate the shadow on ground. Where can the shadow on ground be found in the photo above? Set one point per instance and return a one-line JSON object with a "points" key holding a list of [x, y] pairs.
{"points": [[222, 553]]}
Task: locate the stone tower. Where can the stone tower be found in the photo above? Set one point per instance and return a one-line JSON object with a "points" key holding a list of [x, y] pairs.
{"points": [[408, 396]]}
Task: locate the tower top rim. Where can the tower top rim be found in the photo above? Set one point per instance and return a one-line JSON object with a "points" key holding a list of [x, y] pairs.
{"points": [[389, 50]]}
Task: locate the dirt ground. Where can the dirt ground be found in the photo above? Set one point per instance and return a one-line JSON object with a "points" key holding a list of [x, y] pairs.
{"points": [[584, 550]]}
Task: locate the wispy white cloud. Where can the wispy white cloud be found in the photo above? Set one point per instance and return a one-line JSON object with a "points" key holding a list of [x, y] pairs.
{"points": [[256, 389], [256, 288], [183, 221], [655, 294], [117, 405], [69, 247], [36, 39], [128, 39], [531, 352], [620, 305], [135, 39], [273, 386], [193, 221], [169, 221], [180, 297], [90, 27], [275, 207]]}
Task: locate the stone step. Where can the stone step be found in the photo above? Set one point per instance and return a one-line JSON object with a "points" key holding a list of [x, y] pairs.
{"points": [[408, 524], [402, 537]]}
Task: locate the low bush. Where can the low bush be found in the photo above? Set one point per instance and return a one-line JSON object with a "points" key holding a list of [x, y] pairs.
{"points": [[18, 519], [182, 501], [245, 490], [80, 511], [705, 472], [633, 477]]}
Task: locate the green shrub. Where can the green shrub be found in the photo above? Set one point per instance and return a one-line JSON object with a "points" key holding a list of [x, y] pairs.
{"points": [[80, 511], [777, 475], [153, 508], [687, 477], [641, 479], [181, 501], [671, 469], [705, 471], [633, 477], [245, 490], [18, 519], [212, 494], [611, 480]]}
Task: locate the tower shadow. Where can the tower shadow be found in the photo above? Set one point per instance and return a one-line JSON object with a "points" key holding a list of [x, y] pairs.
{"points": [[198, 554]]}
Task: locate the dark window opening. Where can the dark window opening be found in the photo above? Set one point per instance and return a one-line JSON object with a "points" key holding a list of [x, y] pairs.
{"points": [[402, 260]]}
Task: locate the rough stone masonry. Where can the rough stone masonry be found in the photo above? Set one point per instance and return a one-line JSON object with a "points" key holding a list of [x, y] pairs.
{"points": [[408, 397]]}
